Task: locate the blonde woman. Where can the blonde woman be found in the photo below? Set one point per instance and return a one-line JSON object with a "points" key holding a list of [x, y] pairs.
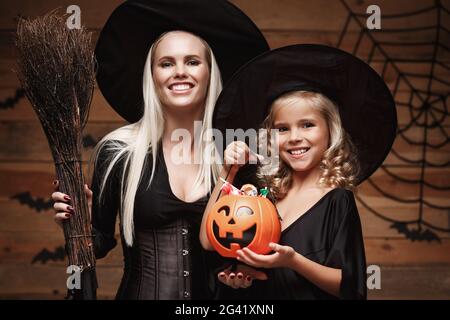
{"points": [[140, 172]]}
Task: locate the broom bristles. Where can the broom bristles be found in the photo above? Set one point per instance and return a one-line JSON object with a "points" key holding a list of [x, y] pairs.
{"points": [[56, 67]]}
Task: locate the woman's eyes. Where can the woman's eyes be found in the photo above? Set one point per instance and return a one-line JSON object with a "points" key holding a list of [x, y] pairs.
{"points": [[307, 125], [168, 64], [282, 129], [193, 63]]}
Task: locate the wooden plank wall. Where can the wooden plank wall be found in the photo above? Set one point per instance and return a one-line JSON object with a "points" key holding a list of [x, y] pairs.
{"points": [[32, 265]]}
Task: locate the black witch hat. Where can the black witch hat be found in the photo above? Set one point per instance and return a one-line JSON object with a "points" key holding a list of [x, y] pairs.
{"points": [[366, 106], [128, 34]]}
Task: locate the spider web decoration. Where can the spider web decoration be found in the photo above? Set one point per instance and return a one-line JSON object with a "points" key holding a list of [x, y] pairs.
{"points": [[421, 96]]}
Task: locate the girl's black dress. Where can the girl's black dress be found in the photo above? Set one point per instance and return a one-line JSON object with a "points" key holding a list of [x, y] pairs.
{"points": [[166, 260], [330, 234]]}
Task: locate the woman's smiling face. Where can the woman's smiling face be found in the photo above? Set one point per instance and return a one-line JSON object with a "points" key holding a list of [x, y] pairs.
{"points": [[181, 71], [303, 134]]}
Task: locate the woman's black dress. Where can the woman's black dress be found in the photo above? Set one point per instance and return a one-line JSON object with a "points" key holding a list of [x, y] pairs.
{"points": [[330, 234], [166, 260]]}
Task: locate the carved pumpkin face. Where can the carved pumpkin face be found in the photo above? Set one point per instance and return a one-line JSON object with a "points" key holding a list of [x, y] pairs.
{"points": [[236, 222]]}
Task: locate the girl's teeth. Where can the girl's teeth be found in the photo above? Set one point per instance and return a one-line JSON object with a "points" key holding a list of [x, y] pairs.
{"points": [[298, 152]]}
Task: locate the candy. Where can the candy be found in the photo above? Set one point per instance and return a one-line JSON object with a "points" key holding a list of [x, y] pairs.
{"points": [[249, 190], [228, 188], [264, 192]]}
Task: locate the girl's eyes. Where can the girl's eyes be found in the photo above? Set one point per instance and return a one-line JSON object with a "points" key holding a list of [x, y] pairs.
{"points": [[307, 125]]}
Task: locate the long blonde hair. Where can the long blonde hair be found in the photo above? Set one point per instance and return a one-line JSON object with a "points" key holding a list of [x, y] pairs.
{"points": [[132, 143], [339, 165]]}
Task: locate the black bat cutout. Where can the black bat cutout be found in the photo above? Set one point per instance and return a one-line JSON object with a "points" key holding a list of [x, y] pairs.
{"points": [[11, 102], [415, 234], [38, 203], [89, 141], [45, 255]]}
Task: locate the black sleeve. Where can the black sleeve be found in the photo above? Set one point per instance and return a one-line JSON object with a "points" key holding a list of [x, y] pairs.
{"points": [[105, 209], [347, 252]]}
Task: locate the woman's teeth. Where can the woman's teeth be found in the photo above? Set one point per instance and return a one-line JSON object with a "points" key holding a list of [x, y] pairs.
{"points": [[180, 87]]}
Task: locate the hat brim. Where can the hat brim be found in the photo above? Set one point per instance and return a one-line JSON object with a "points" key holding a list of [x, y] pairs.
{"points": [[366, 105], [131, 29]]}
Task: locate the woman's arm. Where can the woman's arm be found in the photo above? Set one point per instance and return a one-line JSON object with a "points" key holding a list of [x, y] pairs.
{"points": [[106, 208], [103, 218]]}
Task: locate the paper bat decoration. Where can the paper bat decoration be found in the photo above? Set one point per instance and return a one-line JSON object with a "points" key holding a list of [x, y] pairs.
{"points": [[38, 203], [89, 141], [45, 255], [415, 234], [11, 102]]}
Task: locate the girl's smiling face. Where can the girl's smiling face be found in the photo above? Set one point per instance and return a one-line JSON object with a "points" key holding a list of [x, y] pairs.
{"points": [[303, 134]]}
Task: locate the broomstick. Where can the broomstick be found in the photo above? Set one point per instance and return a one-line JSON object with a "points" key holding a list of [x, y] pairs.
{"points": [[56, 67]]}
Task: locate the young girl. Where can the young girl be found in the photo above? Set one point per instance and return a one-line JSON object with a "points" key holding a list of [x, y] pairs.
{"points": [[320, 254], [321, 230]]}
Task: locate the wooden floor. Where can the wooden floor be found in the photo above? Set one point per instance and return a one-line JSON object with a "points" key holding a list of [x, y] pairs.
{"points": [[397, 283]]}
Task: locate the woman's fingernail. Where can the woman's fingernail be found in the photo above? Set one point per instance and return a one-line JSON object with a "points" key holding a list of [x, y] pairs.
{"points": [[240, 276], [55, 182], [221, 275], [70, 208], [67, 198], [232, 276], [248, 278], [67, 215]]}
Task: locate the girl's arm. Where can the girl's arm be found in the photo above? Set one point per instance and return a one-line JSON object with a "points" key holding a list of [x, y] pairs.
{"points": [[326, 278], [227, 173], [348, 282], [243, 276], [236, 155], [347, 254]]}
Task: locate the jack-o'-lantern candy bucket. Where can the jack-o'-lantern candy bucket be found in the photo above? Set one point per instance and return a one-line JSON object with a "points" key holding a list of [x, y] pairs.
{"points": [[239, 221]]}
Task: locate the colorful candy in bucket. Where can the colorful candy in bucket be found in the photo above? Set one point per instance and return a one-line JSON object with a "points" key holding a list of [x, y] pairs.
{"points": [[242, 219], [228, 188], [249, 190]]}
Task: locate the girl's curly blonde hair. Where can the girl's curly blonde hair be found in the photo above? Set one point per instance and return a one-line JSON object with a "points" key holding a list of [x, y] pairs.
{"points": [[339, 166]]}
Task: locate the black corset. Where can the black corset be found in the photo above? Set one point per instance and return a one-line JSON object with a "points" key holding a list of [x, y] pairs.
{"points": [[165, 263]]}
